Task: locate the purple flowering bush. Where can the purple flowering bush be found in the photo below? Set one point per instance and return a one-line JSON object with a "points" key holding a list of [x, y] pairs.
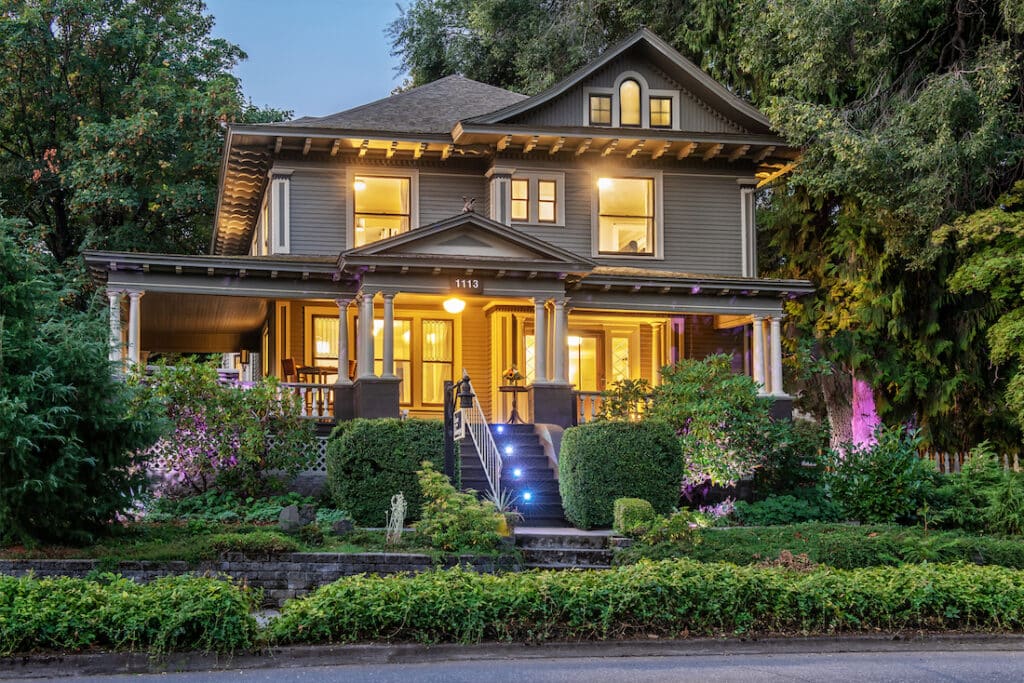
{"points": [[225, 437], [718, 416]]}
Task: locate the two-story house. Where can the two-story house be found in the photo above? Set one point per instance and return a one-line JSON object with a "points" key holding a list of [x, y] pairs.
{"points": [[592, 233]]}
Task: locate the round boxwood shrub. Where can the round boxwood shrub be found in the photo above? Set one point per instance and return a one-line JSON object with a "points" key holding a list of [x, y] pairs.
{"points": [[601, 461], [371, 460]]}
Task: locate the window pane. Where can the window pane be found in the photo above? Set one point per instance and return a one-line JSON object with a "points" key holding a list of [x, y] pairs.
{"points": [[661, 111], [530, 354], [626, 215], [629, 103], [601, 110], [583, 363], [520, 200], [381, 208], [437, 340], [546, 201], [620, 358]]}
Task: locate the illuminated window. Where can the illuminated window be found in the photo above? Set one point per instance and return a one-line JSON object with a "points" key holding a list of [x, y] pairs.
{"points": [[661, 112], [626, 216], [520, 200], [325, 343], [629, 103], [437, 359], [620, 358], [546, 201], [381, 208], [403, 355], [600, 110], [583, 362]]}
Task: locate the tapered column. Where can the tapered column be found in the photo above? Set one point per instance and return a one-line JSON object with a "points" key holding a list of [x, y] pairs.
{"points": [[343, 358], [134, 327], [758, 351], [540, 341], [389, 336], [775, 326], [560, 342], [365, 361], [115, 326]]}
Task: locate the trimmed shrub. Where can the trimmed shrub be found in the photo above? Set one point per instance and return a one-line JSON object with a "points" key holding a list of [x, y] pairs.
{"points": [[373, 460], [601, 461], [256, 542], [671, 599], [885, 482], [174, 613], [629, 513]]}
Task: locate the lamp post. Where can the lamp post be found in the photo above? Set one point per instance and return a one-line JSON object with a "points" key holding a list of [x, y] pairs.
{"points": [[454, 390]]}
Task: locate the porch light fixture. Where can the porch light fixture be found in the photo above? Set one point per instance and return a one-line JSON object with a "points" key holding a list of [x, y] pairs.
{"points": [[359, 185], [454, 305], [605, 183]]}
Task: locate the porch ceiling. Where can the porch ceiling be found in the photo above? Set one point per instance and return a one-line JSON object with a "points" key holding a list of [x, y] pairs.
{"points": [[200, 324]]}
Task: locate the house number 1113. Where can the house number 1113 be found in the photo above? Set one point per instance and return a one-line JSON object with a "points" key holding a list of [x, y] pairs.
{"points": [[466, 284]]}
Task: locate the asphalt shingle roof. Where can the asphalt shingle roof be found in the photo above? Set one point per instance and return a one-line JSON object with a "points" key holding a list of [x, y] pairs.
{"points": [[433, 108]]}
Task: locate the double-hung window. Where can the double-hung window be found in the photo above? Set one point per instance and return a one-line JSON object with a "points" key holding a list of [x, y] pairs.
{"points": [[600, 110], [626, 216], [538, 197], [382, 207]]}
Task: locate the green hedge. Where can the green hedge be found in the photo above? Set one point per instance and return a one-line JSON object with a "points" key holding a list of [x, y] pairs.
{"points": [[629, 513], [179, 613], [849, 547], [601, 461], [674, 598], [372, 460]]}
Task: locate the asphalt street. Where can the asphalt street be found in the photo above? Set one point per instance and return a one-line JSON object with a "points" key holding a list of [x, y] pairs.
{"points": [[863, 667]]}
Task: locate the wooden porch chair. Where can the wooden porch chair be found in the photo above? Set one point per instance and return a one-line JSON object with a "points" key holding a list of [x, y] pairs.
{"points": [[289, 370]]}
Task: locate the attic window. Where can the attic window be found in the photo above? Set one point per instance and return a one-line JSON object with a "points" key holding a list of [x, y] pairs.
{"points": [[600, 110], [661, 112], [629, 103]]}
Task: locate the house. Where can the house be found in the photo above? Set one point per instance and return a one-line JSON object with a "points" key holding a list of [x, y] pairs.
{"points": [[588, 234]]}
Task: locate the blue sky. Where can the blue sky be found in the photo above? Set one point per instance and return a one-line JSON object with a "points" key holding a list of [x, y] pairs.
{"points": [[314, 57]]}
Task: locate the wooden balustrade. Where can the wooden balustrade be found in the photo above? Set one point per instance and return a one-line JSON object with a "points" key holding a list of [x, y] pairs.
{"points": [[316, 401]]}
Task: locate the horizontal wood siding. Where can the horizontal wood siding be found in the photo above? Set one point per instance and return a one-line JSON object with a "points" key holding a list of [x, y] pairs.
{"points": [[476, 353], [441, 195], [317, 212], [702, 225]]}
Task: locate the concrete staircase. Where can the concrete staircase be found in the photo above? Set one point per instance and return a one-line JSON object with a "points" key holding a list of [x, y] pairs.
{"points": [[563, 549], [526, 471]]}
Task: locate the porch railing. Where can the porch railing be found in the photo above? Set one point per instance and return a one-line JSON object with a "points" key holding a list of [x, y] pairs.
{"points": [[480, 431], [590, 403], [316, 401]]}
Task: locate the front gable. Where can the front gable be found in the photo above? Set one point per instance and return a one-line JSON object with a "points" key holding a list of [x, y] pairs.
{"points": [[466, 240], [699, 103]]}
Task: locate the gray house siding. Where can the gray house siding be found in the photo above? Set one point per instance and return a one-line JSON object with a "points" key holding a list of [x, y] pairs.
{"points": [[568, 110], [317, 206], [441, 194]]}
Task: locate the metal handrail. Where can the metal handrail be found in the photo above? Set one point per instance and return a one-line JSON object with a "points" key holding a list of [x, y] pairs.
{"points": [[483, 439]]}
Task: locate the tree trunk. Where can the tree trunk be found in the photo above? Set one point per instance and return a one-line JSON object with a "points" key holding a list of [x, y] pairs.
{"points": [[837, 390]]}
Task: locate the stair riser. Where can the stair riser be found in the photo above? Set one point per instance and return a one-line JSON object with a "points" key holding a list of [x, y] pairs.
{"points": [[547, 542]]}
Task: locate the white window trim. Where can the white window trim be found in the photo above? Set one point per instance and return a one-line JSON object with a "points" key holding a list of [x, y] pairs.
{"points": [[350, 196], [646, 93], [280, 210], [659, 213], [534, 198]]}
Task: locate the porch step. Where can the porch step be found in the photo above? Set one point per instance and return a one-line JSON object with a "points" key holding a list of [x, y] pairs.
{"points": [[564, 551]]}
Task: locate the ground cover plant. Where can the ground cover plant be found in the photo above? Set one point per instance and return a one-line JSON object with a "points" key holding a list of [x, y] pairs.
{"points": [[181, 613], [675, 598], [454, 521]]}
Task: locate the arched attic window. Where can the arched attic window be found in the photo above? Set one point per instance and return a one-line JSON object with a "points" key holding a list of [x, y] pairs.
{"points": [[629, 103]]}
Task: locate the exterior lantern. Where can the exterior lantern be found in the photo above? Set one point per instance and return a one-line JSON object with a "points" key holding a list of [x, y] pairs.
{"points": [[454, 305]]}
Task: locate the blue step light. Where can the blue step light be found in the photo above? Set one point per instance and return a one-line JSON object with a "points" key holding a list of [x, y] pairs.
{"points": [[517, 472], [527, 496], [508, 450], [500, 429]]}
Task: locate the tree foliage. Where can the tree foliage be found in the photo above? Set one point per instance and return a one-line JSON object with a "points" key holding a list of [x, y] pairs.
{"points": [[69, 432], [110, 124], [910, 113]]}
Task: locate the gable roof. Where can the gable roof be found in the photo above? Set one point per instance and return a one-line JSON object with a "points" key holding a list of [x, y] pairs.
{"points": [[431, 109], [467, 240], [681, 69]]}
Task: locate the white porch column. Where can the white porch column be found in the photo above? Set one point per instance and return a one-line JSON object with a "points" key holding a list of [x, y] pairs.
{"points": [[343, 377], [389, 336], [115, 325], [560, 342], [540, 340], [134, 327], [776, 358], [365, 361], [757, 352]]}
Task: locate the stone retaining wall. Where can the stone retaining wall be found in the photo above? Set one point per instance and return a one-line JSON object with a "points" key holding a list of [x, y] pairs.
{"points": [[280, 576]]}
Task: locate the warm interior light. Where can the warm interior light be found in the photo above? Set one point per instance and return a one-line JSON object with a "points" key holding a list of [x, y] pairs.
{"points": [[359, 185], [574, 340], [454, 305], [378, 325], [322, 347], [604, 183]]}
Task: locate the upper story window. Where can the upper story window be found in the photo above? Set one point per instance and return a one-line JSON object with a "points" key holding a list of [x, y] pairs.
{"points": [[600, 110], [629, 103], [538, 197], [382, 207], [661, 112], [626, 216]]}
